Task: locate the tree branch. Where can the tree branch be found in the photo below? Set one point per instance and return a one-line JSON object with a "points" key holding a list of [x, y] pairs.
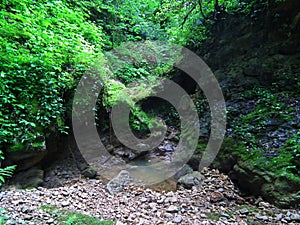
{"points": [[201, 9], [187, 15]]}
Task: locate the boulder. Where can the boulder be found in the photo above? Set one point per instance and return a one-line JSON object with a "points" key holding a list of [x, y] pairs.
{"points": [[186, 169], [31, 178], [190, 180], [118, 183]]}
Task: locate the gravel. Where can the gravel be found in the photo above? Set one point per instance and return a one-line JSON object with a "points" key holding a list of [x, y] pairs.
{"points": [[216, 201]]}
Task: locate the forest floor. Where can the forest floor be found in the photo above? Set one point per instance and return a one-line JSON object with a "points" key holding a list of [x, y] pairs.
{"points": [[216, 201]]}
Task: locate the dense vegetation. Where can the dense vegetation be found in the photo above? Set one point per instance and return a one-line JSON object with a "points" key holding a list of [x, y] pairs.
{"points": [[47, 47]]}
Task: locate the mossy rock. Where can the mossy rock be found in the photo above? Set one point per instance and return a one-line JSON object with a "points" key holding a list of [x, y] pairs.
{"points": [[228, 155], [255, 175]]}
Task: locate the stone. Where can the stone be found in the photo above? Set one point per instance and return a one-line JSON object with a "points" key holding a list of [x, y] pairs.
{"points": [[216, 196], [244, 211], [118, 183], [186, 169], [190, 180], [119, 223], [27, 157], [177, 219], [50, 221], [65, 203], [26, 209], [295, 217], [172, 209], [225, 215], [261, 217], [30, 178], [279, 216]]}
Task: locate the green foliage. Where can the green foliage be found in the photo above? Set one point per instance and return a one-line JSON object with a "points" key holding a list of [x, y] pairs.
{"points": [[3, 216], [6, 172], [66, 217], [45, 48], [137, 73], [285, 164], [267, 106], [250, 127]]}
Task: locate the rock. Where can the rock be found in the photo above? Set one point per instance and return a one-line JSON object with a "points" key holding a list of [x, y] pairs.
{"points": [[89, 172], [225, 215], [278, 216], [28, 217], [177, 219], [186, 169], [264, 204], [27, 157], [65, 203], [152, 205], [118, 183], [261, 217], [244, 211], [30, 178], [26, 209], [216, 196], [50, 221], [194, 161], [190, 180], [119, 223], [295, 217], [202, 215], [172, 209]]}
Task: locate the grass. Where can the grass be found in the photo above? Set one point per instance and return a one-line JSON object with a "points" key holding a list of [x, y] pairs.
{"points": [[3, 217], [66, 217]]}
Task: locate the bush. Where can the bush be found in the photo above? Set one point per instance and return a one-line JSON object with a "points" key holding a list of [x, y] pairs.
{"points": [[45, 48]]}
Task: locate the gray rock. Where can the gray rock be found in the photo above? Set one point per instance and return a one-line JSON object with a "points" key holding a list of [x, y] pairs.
{"points": [[118, 183], [186, 169], [172, 209], [295, 217], [278, 216], [244, 211], [26, 209], [30, 178], [65, 203], [177, 219], [225, 215], [190, 180], [261, 217], [119, 223]]}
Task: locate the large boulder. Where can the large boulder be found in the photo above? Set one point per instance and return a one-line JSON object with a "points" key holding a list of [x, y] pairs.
{"points": [[190, 180], [118, 183], [31, 178]]}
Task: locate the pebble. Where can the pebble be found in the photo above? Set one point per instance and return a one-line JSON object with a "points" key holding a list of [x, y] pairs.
{"points": [[177, 219], [172, 209], [295, 217], [244, 211], [261, 217], [65, 203], [140, 205]]}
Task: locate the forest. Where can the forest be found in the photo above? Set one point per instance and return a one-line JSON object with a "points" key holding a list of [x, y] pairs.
{"points": [[150, 112]]}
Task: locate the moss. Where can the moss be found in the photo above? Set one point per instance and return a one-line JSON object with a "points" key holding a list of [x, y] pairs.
{"points": [[283, 165], [66, 217], [213, 216], [3, 216]]}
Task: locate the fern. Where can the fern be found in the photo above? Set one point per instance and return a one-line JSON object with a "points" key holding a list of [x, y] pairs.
{"points": [[6, 172]]}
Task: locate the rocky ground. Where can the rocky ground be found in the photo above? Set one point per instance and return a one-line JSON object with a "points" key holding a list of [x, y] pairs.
{"points": [[214, 201]]}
